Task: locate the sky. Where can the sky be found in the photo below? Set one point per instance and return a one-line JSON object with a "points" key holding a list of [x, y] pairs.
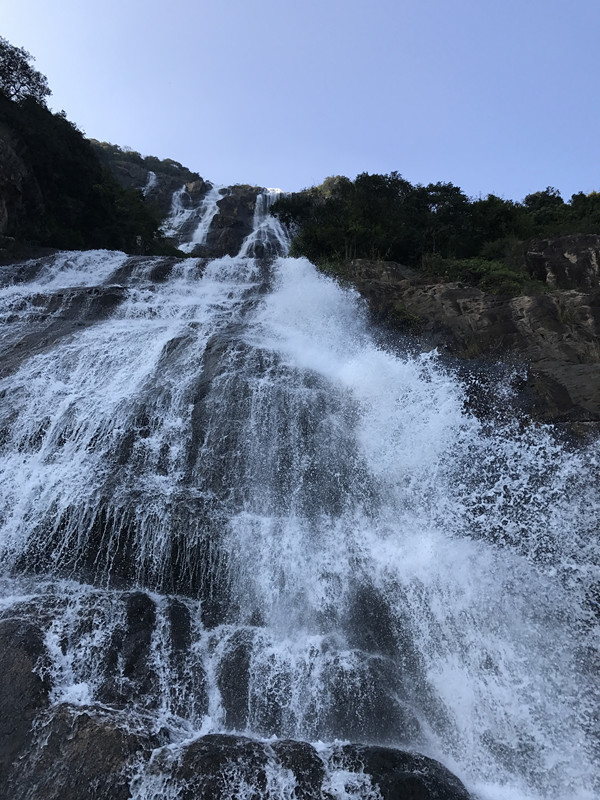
{"points": [[495, 96]]}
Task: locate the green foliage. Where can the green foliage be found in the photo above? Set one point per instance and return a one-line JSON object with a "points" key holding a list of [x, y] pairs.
{"points": [[401, 317], [18, 79], [583, 212], [110, 153], [490, 276], [436, 227], [80, 204]]}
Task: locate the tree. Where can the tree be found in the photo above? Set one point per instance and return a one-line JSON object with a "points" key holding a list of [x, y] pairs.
{"points": [[546, 210], [18, 79]]}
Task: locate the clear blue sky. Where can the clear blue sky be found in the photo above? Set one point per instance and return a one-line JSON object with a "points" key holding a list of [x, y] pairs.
{"points": [[495, 96]]}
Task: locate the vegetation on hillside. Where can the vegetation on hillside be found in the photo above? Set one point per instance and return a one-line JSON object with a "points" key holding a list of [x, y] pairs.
{"points": [[79, 203], [111, 153], [436, 227], [69, 198]]}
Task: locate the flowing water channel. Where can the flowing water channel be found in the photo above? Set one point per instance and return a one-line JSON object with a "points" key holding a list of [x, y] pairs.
{"points": [[310, 535]]}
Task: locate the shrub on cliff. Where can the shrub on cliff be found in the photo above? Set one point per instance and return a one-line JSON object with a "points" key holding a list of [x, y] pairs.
{"points": [[489, 275], [110, 154]]}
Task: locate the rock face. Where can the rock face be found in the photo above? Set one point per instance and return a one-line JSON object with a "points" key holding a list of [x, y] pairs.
{"points": [[233, 222], [91, 752], [231, 225], [567, 262], [79, 754], [555, 335], [217, 765], [54, 750], [20, 193], [23, 693], [158, 191], [402, 775]]}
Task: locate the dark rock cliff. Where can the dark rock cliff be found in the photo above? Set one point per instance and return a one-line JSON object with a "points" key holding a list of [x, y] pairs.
{"points": [[566, 262], [230, 226], [555, 336], [233, 222], [20, 194]]}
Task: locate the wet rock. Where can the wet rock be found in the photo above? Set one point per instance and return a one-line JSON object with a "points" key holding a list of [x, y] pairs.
{"points": [[131, 677], [23, 692], [141, 618], [309, 770], [53, 317], [217, 765], [371, 621], [80, 754], [555, 336], [161, 272], [179, 617], [373, 705], [234, 679], [401, 775], [187, 681], [233, 222]]}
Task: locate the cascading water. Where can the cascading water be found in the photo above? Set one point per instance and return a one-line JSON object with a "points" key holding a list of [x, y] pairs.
{"points": [[228, 510], [151, 182], [188, 222], [207, 212], [268, 237]]}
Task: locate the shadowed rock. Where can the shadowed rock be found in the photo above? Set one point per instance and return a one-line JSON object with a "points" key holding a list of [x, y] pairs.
{"points": [[80, 754], [23, 693], [400, 775]]}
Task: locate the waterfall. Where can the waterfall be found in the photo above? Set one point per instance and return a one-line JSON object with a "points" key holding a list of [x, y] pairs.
{"points": [[207, 212], [188, 222], [229, 510], [181, 212], [268, 236], [151, 182]]}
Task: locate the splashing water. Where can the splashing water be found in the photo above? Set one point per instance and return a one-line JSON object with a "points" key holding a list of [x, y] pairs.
{"points": [[322, 543]]}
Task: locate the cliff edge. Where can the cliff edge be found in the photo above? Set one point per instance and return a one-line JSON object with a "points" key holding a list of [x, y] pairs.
{"points": [[554, 335]]}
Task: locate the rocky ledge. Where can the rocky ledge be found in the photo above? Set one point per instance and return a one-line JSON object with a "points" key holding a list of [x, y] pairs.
{"points": [[553, 336], [60, 751]]}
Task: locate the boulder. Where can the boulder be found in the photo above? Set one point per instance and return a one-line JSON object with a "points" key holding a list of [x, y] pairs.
{"points": [[221, 765], [80, 754], [213, 766], [400, 775], [307, 767]]}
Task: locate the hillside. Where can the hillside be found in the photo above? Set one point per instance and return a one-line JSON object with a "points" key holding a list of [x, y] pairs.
{"points": [[56, 193]]}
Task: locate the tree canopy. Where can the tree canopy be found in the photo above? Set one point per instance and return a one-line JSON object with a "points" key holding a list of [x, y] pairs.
{"points": [[436, 227], [18, 79]]}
